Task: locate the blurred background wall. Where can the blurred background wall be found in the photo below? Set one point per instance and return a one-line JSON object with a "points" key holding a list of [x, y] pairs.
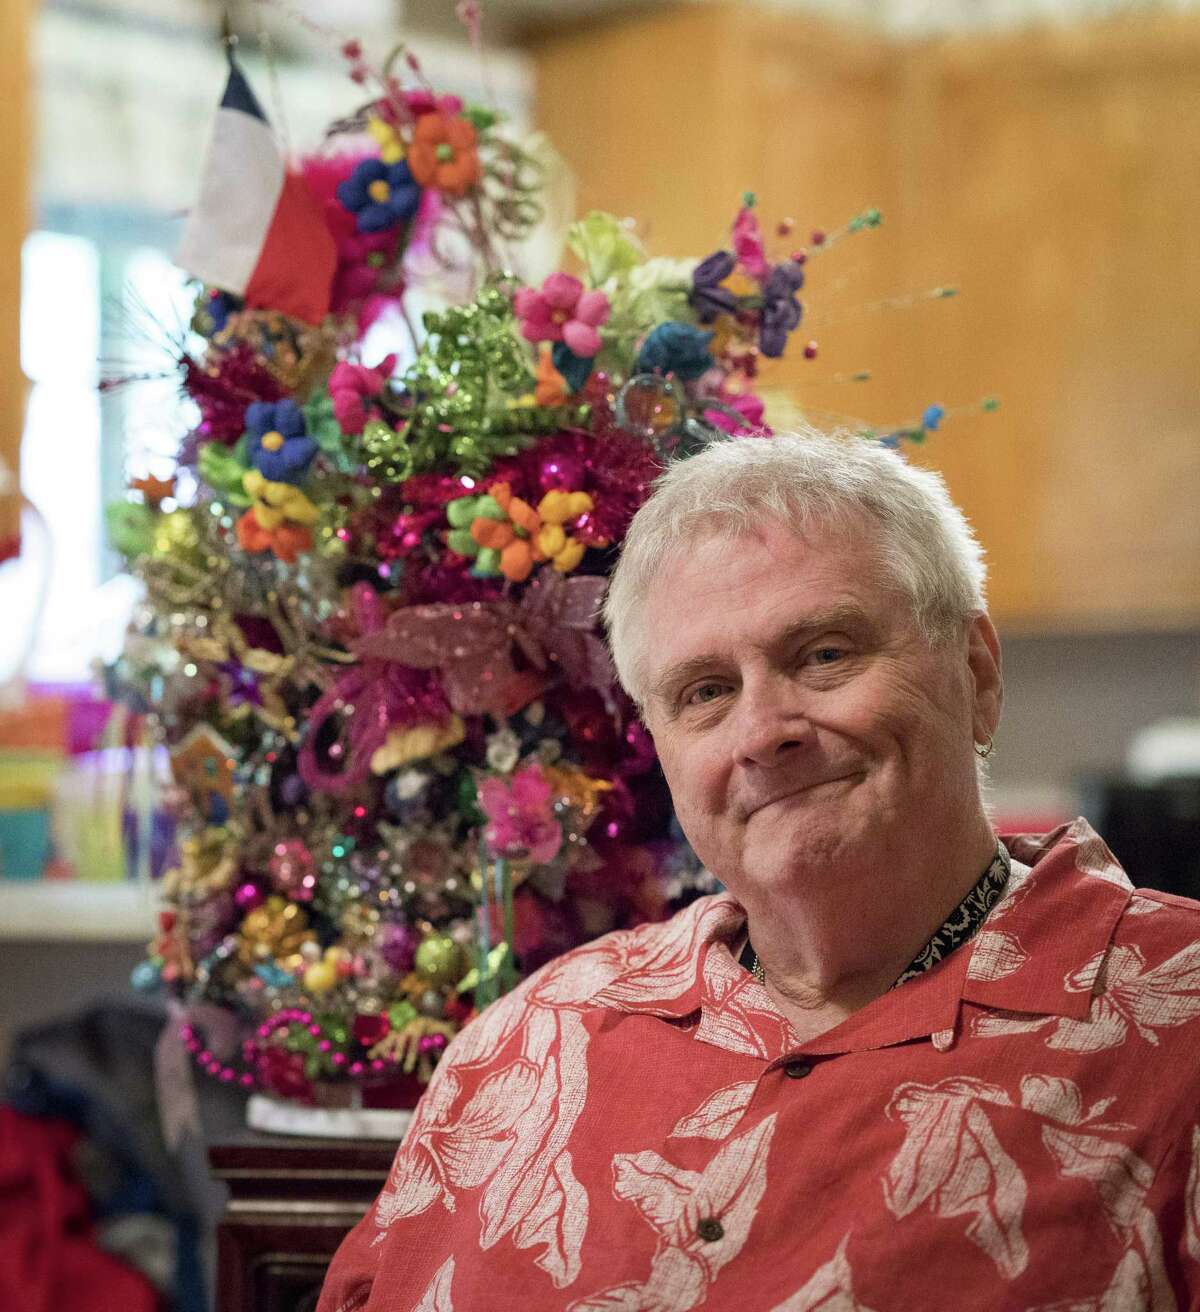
{"points": [[1039, 156]]}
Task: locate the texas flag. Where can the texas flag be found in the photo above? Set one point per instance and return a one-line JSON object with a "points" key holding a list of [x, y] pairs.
{"points": [[256, 230]]}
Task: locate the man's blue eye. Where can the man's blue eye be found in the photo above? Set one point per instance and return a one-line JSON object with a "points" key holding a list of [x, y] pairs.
{"points": [[705, 692], [827, 655]]}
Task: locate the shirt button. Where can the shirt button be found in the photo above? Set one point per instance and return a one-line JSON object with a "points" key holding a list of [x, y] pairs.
{"points": [[710, 1230], [797, 1069]]}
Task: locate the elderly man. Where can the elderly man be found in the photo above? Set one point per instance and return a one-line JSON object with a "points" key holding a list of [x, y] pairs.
{"points": [[902, 1062]]}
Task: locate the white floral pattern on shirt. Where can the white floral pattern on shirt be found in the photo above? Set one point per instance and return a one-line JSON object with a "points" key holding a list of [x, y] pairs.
{"points": [[1125, 995], [677, 1204], [829, 1290]]}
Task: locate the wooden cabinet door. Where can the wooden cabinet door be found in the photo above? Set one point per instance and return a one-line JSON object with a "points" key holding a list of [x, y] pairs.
{"points": [[1053, 177]]}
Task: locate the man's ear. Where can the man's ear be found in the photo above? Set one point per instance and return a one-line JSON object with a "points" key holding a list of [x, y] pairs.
{"points": [[983, 660]]}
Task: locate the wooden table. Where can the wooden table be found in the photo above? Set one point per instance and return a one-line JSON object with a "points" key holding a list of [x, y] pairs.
{"points": [[291, 1201]]}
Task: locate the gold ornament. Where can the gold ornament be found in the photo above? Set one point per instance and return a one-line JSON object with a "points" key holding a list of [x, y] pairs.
{"points": [[207, 865], [176, 539], [406, 745], [275, 931], [580, 791], [440, 961]]}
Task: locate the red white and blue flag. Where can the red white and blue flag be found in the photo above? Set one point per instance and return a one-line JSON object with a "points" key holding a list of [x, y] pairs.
{"points": [[256, 230]]}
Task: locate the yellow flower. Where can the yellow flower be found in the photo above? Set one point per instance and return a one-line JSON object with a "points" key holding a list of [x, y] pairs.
{"points": [[557, 509], [391, 148], [276, 502]]}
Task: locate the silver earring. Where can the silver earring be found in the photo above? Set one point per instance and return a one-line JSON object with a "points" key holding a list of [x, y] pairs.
{"points": [[984, 750]]}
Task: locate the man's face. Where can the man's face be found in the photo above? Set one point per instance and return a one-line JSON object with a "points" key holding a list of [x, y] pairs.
{"points": [[802, 720]]}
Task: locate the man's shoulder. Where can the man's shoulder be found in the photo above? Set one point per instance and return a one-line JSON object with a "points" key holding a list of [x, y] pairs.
{"points": [[1164, 919], [653, 967], [656, 959]]}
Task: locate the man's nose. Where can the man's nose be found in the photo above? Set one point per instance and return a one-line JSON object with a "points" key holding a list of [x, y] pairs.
{"points": [[771, 722]]}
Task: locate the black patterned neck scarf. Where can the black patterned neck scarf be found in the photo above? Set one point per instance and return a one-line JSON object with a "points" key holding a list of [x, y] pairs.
{"points": [[961, 925]]}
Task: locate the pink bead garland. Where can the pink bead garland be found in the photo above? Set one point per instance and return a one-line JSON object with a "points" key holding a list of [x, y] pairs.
{"points": [[283, 1020]]}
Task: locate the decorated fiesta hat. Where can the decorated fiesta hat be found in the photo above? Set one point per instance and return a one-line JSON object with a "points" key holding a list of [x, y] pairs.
{"points": [[404, 774]]}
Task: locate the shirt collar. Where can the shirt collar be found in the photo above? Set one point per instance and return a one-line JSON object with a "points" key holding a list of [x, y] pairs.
{"points": [[1038, 952]]}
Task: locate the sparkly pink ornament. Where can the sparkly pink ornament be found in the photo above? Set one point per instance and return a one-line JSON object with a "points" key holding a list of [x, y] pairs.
{"points": [[398, 947], [293, 870], [248, 896], [561, 470]]}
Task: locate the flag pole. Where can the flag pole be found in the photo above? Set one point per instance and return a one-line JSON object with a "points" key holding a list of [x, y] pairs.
{"points": [[228, 35]]}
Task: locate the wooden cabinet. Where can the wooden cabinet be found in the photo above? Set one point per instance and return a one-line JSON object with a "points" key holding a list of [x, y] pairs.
{"points": [[1051, 176], [291, 1202]]}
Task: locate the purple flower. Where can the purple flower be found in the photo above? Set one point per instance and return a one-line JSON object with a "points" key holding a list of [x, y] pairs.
{"points": [[781, 310], [379, 195], [707, 297], [279, 446]]}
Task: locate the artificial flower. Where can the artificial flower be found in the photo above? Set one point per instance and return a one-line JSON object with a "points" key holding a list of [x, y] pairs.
{"points": [[676, 348], [279, 519], [368, 274], [279, 446], [932, 418], [707, 297], [746, 405], [503, 750], [781, 310], [353, 387], [574, 369], [221, 390], [561, 311], [443, 154], [214, 311], [604, 245], [748, 244], [385, 136], [420, 102], [154, 490], [506, 543], [520, 816], [380, 196], [506, 536], [551, 388], [557, 510]]}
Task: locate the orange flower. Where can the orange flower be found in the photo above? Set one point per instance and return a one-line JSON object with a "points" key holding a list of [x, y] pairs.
{"points": [[443, 154], [551, 387], [286, 540], [512, 538], [154, 490]]}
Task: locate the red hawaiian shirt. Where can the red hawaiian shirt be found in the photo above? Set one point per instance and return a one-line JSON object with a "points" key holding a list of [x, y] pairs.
{"points": [[637, 1128]]}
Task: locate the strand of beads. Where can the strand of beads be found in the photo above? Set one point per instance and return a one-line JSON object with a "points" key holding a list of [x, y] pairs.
{"points": [[210, 1064]]}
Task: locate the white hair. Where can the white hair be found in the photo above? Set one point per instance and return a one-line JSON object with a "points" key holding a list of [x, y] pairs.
{"points": [[923, 542]]}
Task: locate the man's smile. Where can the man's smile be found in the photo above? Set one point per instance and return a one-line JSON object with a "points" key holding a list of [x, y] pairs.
{"points": [[803, 791]]}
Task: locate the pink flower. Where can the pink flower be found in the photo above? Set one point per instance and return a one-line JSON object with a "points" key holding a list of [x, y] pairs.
{"points": [[749, 406], [520, 815], [419, 102], [353, 387], [563, 312], [748, 245]]}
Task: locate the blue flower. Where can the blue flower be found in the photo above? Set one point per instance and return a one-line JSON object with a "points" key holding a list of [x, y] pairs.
{"points": [[379, 195], [279, 446], [575, 369], [932, 418], [781, 310], [675, 348], [707, 297], [220, 305]]}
